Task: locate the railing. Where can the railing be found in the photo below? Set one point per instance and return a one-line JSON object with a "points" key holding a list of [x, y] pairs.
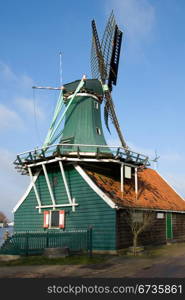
{"points": [[81, 150], [26, 243]]}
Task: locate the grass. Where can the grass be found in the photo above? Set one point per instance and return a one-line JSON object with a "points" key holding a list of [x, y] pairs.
{"points": [[150, 252], [41, 260]]}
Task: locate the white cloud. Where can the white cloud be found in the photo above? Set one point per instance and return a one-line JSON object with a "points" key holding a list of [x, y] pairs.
{"points": [[29, 106], [9, 119], [19, 81], [16, 106], [16, 90], [6, 72], [137, 17]]}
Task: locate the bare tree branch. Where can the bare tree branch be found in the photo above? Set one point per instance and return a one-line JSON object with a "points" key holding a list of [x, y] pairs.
{"points": [[3, 218], [138, 221]]}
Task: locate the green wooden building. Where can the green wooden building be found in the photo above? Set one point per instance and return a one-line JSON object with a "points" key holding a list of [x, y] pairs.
{"points": [[61, 195], [80, 187], [77, 186]]}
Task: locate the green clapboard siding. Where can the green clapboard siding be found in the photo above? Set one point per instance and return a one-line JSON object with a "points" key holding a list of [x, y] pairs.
{"points": [[84, 117], [81, 123], [92, 210]]}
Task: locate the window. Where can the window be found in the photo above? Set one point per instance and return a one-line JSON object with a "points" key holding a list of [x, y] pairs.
{"points": [[128, 172], [160, 215], [54, 219], [98, 131]]}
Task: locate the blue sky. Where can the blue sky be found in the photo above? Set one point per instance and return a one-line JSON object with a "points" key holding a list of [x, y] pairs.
{"points": [[149, 95]]}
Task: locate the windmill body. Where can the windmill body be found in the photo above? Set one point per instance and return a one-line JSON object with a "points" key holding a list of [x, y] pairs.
{"points": [[78, 182], [83, 119]]}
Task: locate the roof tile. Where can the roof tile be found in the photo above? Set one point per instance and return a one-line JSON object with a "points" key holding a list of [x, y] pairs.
{"points": [[153, 191]]}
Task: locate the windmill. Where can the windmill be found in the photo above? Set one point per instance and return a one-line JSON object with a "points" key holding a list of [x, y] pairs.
{"points": [[104, 66], [76, 128], [81, 189], [67, 188]]}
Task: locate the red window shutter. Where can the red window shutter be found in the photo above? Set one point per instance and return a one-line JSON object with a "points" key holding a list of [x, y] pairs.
{"points": [[61, 219], [46, 219]]}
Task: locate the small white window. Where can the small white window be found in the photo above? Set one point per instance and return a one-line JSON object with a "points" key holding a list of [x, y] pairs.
{"points": [[98, 131], [128, 172], [160, 215], [96, 105]]}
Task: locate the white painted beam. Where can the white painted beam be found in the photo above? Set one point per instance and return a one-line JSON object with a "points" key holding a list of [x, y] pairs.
{"points": [[78, 160], [122, 178], [136, 182], [35, 188], [65, 181], [49, 185], [74, 204], [57, 205]]}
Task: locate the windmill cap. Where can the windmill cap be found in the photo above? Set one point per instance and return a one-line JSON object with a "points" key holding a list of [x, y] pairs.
{"points": [[92, 86]]}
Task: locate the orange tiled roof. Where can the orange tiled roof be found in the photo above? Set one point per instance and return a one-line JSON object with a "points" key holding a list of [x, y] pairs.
{"points": [[153, 191]]}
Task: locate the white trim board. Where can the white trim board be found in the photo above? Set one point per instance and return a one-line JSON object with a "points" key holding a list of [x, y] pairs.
{"points": [[27, 191], [84, 95], [95, 187]]}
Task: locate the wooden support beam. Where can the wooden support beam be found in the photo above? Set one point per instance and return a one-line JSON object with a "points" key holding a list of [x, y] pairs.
{"points": [[19, 159], [35, 188], [74, 204], [49, 185], [78, 152], [30, 155], [136, 182], [65, 181], [122, 177], [57, 205], [97, 152]]}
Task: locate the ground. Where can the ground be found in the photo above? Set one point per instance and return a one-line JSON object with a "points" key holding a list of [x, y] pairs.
{"points": [[167, 261]]}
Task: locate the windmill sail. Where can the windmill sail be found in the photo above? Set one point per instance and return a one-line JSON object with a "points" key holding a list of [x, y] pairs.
{"points": [[114, 117], [107, 42], [104, 66], [106, 115], [97, 60], [115, 58]]}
